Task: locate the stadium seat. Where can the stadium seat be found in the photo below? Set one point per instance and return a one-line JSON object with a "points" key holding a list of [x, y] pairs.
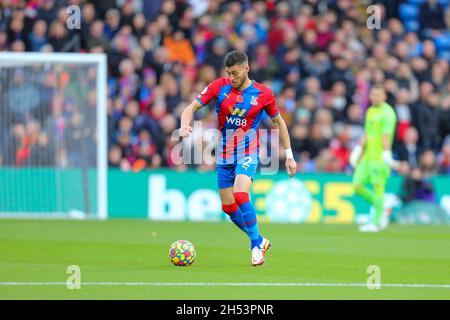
{"points": [[416, 2], [444, 55], [442, 42], [408, 12], [412, 25], [419, 2], [444, 3]]}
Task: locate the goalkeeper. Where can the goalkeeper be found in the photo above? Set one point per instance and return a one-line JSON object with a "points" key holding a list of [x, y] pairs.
{"points": [[372, 158]]}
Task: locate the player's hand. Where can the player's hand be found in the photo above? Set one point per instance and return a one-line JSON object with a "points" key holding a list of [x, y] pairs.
{"points": [[185, 131], [389, 160], [355, 155], [291, 167]]}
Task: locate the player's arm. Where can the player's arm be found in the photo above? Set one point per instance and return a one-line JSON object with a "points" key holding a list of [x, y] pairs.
{"points": [[387, 152], [186, 118], [387, 126], [358, 151], [291, 165], [208, 94]]}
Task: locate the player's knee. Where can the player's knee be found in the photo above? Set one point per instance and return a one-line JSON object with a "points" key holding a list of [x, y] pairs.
{"points": [[241, 197], [230, 208]]}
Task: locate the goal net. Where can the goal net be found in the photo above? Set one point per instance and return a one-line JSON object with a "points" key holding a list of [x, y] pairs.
{"points": [[53, 135]]}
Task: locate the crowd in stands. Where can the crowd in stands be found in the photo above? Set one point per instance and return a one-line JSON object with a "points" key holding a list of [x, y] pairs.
{"points": [[320, 57]]}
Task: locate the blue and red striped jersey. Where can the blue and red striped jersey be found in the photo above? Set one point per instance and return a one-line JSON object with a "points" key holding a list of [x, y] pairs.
{"points": [[239, 115]]}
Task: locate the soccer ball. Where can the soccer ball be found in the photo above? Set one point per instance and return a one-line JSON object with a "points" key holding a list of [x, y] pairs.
{"points": [[182, 253]]}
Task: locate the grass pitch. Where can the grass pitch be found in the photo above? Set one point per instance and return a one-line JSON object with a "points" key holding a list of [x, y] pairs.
{"points": [[128, 259]]}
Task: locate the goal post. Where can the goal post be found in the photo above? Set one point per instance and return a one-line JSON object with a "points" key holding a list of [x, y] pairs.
{"points": [[53, 135]]}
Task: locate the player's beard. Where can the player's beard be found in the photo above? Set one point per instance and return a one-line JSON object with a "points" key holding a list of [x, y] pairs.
{"points": [[240, 84]]}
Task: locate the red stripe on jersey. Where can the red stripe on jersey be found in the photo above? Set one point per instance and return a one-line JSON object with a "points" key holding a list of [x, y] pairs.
{"points": [[212, 90], [268, 100]]}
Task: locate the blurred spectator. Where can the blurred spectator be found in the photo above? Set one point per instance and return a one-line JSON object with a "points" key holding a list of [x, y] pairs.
{"points": [[138, 25], [16, 29], [58, 36], [417, 188], [47, 11], [299, 139], [114, 156], [325, 162], [408, 150], [318, 141], [215, 53], [144, 152], [428, 121], [41, 153], [340, 149], [88, 17], [428, 163], [37, 37], [3, 41], [431, 17], [20, 144], [127, 84], [403, 110], [23, 97], [112, 23], [96, 36], [179, 49], [101, 7], [288, 53], [78, 140]]}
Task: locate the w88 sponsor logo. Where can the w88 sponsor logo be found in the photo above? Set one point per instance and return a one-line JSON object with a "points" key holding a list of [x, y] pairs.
{"points": [[237, 121]]}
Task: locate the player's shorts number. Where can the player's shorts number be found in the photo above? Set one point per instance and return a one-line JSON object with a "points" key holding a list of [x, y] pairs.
{"points": [[247, 161]]}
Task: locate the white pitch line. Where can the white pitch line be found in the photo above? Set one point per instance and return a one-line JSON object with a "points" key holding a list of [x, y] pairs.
{"points": [[227, 284]]}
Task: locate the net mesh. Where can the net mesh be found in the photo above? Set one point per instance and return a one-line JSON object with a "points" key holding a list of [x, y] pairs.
{"points": [[48, 152]]}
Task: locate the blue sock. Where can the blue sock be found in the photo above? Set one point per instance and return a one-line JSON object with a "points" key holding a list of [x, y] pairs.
{"points": [[249, 217], [235, 215], [237, 219]]}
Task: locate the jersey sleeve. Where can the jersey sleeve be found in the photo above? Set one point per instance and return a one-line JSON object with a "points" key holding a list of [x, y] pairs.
{"points": [[210, 92], [270, 105]]}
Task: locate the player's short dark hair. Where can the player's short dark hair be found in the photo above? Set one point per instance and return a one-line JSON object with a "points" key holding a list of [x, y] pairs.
{"points": [[378, 86], [235, 58]]}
